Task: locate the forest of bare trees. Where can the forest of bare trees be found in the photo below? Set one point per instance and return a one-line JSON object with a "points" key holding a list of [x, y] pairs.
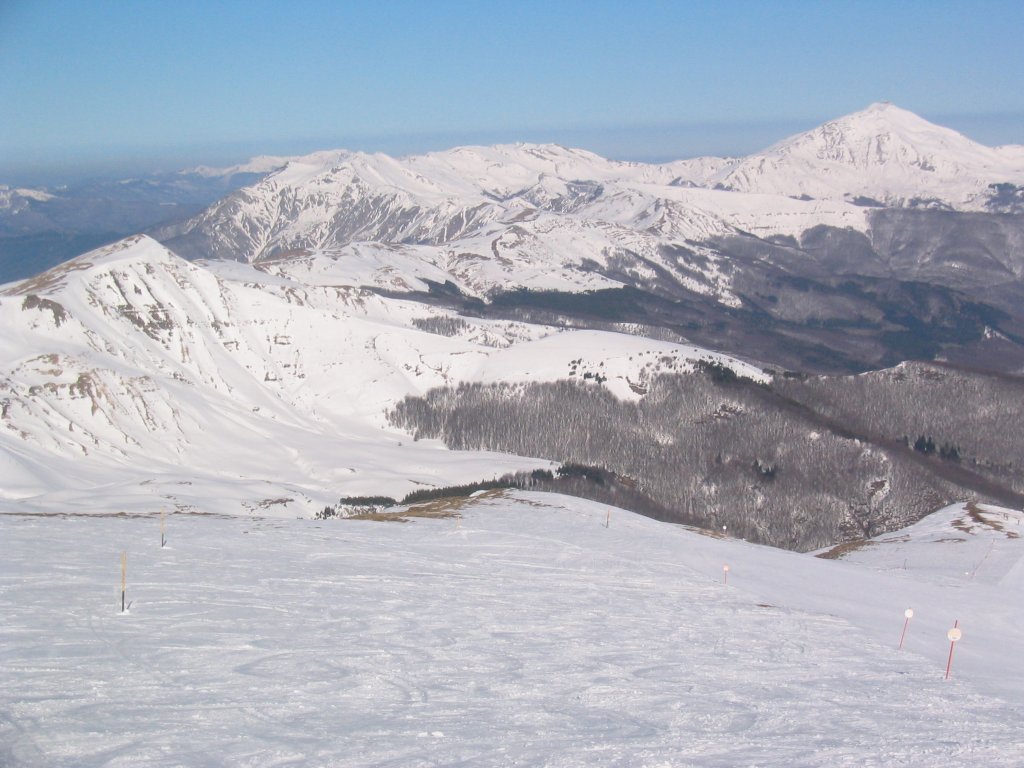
{"points": [[971, 418], [798, 463]]}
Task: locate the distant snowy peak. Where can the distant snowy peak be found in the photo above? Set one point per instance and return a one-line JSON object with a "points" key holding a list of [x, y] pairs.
{"points": [[493, 172], [496, 172], [17, 197], [880, 155], [256, 165]]}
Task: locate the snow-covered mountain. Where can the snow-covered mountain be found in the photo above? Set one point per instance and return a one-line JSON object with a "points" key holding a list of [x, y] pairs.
{"points": [[565, 211], [882, 155], [130, 363], [543, 217], [328, 292], [224, 386]]}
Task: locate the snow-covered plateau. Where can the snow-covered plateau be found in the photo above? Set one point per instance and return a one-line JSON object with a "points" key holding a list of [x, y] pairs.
{"points": [[522, 629]]}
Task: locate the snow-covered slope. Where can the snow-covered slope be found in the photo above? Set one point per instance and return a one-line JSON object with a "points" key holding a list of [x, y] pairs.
{"points": [[522, 632], [131, 364], [884, 155]]}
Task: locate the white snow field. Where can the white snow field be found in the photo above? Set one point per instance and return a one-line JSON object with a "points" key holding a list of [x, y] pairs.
{"points": [[521, 632]]}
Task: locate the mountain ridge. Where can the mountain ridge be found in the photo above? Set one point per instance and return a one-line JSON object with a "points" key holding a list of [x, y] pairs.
{"points": [[132, 365], [134, 361], [880, 156], [543, 217]]}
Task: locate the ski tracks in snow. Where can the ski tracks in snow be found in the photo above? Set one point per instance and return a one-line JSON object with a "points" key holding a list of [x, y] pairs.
{"points": [[520, 634]]}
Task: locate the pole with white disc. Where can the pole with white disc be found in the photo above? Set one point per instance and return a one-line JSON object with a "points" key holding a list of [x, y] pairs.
{"points": [[953, 636], [908, 615]]}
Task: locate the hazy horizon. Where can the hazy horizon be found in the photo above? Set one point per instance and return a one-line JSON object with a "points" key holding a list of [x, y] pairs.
{"points": [[102, 88], [643, 143]]}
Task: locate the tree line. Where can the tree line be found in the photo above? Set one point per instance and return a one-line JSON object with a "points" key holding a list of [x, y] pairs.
{"points": [[701, 447]]}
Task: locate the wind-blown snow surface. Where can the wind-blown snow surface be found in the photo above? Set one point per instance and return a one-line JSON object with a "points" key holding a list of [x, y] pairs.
{"points": [[132, 366], [522, 633]]}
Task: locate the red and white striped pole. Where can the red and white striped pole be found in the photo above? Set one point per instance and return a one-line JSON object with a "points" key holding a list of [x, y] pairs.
{"points": [[954, 636], [908, 615]]}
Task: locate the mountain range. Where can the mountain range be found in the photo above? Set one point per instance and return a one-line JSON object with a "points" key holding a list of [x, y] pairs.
{"points": [[875, 238], [695, 329]]}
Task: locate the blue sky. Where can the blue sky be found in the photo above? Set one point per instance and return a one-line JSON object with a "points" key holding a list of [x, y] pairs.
{"points": [[150, 84]]}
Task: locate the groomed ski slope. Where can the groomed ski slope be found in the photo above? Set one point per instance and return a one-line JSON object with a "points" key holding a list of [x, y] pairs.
{"points": [[522, 632]]}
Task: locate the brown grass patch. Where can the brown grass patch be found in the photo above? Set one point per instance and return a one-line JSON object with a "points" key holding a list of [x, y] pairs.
{"points": [[841, 550], [712, 532], [447, 507], [976, 515]]}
